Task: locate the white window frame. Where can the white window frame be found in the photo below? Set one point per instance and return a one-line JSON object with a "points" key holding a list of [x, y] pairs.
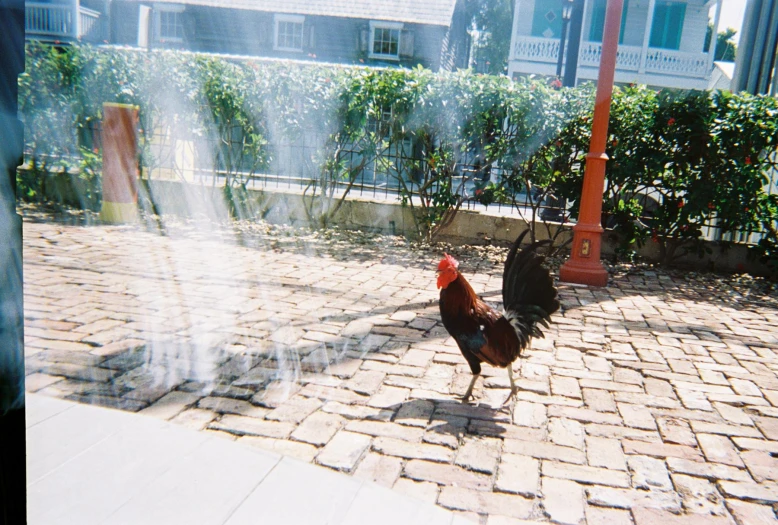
{"points": [[394, 26], [293, 19], [167, 8]]}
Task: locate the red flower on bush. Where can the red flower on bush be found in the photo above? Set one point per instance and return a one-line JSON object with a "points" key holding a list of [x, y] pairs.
{"points": [[615, 142], [711, 206], [556, 83], [671, 121], [680, 204], [748, 161], [478, 192]]}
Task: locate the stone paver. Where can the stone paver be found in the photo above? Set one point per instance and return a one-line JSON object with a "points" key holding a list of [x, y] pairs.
{"points": [[654, 400]]}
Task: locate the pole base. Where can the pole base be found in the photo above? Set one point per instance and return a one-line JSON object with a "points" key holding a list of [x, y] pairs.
{"points": [[119, 212], [584, 272]]}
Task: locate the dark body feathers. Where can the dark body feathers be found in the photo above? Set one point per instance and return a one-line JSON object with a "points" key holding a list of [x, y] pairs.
{"points": [[485, 335]]}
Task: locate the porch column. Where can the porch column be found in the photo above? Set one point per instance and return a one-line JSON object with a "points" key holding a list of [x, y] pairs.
{"points": [[647, 36], [76, 25], [713, 37]]}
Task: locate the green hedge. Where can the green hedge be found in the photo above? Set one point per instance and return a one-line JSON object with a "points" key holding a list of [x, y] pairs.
{"points": [[700, 157]]}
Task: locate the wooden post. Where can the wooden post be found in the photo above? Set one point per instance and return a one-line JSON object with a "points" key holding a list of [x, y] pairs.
{"points": [[120, 163], [584, 265], [714, 37]]}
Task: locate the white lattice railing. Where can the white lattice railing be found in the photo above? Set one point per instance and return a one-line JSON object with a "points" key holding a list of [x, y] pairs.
{"points": [[665, 61], [676, 63], [536, 49], [61, 22], [49, 20], [89, 24], [627, 58]]}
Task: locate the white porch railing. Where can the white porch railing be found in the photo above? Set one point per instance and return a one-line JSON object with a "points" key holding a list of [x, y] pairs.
{"points": [[677, 63], [61, 22], [89, 28], [49, 20], [629, 58], [536, 49]]}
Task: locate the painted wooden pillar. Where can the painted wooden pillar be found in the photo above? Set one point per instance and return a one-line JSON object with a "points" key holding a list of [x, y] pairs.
{"points": [[714, 37], [647, 36], [75, 27], [120, 163], [584, 265]]}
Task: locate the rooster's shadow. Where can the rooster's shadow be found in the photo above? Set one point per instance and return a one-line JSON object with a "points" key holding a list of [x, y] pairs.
{"points": [[455, 418]]}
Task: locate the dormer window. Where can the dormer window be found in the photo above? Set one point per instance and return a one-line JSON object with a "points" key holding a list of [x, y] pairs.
{"points": [[170, 23], [385, 40], [289, 33]]}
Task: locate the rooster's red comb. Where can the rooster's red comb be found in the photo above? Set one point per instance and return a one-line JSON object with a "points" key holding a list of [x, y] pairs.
{"points": [[448, 262]]}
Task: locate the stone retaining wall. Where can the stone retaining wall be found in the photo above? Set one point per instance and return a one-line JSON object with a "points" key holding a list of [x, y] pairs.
{"points": [[472, 227]]}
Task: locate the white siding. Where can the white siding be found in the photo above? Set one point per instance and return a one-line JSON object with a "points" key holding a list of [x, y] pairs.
{"points": [[695, 23], [635, 27], [587, 19], [692, 37], [524, 14]]}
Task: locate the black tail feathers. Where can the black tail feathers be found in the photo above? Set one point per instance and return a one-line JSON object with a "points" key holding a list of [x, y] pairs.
{"points": [[528, 289]]}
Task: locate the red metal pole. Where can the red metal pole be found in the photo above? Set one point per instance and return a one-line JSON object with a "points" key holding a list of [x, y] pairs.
{"points": [[120, 163], [584, 265]]}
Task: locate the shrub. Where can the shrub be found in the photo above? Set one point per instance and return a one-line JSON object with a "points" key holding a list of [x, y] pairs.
{"points": [[679, 161]]}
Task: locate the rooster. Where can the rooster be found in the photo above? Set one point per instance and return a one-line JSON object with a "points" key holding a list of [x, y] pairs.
{"points": [[485, 335]]}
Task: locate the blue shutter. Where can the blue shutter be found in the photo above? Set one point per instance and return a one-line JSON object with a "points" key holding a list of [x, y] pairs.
{"points": [[667, 26], [598, 21]]}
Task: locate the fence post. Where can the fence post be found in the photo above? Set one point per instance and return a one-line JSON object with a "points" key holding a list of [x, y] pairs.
{"points": [[120, 163]]}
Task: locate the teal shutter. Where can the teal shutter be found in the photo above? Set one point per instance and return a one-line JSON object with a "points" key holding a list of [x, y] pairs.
{"points": [[667, 25], [598, 21], [547, 18]]}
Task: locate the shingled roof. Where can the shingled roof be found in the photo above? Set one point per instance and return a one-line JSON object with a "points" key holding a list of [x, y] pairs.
{"points": [[431, 12]]}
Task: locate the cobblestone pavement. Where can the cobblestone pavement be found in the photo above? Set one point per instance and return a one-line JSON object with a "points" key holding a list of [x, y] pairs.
{"points": [[654, 400]]}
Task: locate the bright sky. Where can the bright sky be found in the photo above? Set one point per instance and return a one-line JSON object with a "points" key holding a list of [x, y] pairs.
{"points": [[732, 12]]}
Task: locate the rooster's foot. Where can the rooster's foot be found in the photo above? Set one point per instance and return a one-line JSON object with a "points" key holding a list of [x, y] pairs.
{"points": [[511, 396], [469, 391]]}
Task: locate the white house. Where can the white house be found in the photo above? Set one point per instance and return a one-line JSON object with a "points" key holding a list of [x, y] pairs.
{"points": [[661, 41]]}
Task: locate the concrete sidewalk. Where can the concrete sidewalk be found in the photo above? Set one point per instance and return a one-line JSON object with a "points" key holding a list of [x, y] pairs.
{"points": [[92, 465], [652, 400]]}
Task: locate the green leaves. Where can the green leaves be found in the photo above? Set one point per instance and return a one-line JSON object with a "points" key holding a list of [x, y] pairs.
{"points": [[678, 160]]}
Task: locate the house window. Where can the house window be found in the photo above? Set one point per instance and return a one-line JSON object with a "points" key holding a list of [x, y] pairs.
{"points": [[289, 33], [170, 24], [667, 26], [385, 40], [547, 18], [598, 21]]}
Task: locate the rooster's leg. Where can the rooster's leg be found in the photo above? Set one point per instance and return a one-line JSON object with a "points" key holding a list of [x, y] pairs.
{"points": [[469, 392], [514, 388]]}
